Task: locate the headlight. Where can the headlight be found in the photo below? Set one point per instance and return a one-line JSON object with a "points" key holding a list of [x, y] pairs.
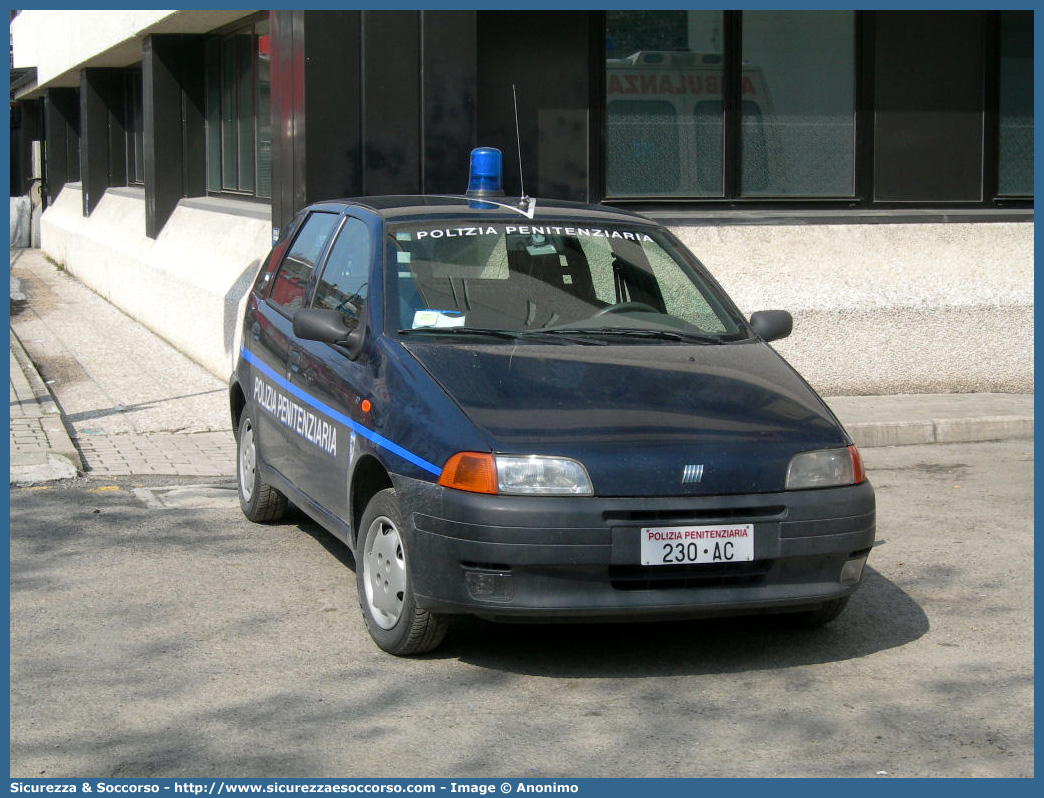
{"points": [[527, 475], [827, 468], [550, 476]]}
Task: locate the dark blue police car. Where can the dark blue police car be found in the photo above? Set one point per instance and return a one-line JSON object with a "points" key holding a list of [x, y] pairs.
{"points": [[527, 409]]}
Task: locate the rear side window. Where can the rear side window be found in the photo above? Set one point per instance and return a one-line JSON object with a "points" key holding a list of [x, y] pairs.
{"points": [[291, 281], [343, 284]]}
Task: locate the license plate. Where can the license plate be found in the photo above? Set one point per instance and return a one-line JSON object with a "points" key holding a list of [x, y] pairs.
{"points": [[688, 545]]}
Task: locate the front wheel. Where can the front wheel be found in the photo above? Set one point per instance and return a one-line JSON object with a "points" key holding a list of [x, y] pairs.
{"points": [[382, 576], [259, 500]]}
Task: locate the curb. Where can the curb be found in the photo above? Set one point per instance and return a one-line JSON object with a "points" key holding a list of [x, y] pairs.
{"points": [[60, 459], [40, 390], [915, 419], [944, 430]]}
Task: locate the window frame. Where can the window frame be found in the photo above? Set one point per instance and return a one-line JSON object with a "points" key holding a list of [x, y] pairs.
{"points": [[351, 321], [315, 268], [863, 153], [134, 126], [216, 155]]}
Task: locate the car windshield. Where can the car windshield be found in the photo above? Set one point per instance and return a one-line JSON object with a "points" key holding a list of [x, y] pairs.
{"points": [[558, 281]]}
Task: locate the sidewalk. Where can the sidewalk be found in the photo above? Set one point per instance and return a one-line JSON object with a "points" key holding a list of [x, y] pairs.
{"points": [[132, 405]]}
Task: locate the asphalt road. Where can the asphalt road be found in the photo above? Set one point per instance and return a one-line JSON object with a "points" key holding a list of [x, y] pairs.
{"points": [[157, 633]]}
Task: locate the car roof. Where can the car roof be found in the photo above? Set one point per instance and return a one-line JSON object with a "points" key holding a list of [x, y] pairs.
{"points": [[419, 208]]}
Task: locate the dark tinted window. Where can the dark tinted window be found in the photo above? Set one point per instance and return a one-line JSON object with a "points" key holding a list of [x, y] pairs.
{"points": [[239, 130], [798, 103], [664, 117], [1016, 103], [135, 129], [927, 107], [930, 99], [643, 147]]}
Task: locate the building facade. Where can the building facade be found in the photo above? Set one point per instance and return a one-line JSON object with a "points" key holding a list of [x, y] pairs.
{"points": [[871, 172]]}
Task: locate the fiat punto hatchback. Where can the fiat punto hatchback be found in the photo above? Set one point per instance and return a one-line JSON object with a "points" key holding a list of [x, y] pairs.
{"points": [[534, 410]]}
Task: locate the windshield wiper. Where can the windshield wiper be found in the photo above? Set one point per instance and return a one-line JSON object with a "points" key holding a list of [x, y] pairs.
{"points": [[559, 336], [641, 332], [564, 335], [487, 331], [588, 336]]}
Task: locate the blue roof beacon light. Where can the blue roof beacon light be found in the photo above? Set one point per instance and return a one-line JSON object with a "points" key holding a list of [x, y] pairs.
{"points": [[486, 175]]}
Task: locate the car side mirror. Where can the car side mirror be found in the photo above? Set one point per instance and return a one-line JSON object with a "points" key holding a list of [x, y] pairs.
{"points": [[328, 326], [772, 325]]}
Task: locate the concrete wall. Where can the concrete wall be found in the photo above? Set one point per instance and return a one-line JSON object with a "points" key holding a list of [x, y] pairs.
{"points": [[888, 308], [83, 35], [98, 38], [878, 308], [187, 285]]}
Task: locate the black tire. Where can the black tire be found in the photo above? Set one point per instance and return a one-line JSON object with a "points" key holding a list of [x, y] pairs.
{"points": [[260, 502], [382, 576], [821, 616]]}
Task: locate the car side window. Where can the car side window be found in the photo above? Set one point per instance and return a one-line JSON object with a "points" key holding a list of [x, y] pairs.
{"points": [[291, 282], [343, 283]]}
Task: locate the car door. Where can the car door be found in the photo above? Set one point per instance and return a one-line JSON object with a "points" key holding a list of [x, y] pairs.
{"points": [[272, 351], [334, 383]]}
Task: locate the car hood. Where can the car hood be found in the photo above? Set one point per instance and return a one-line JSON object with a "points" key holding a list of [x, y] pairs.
{"points": [[637, 415]]}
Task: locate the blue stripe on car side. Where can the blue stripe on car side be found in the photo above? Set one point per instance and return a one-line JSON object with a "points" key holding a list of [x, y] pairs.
{"points": [[369, 434]]}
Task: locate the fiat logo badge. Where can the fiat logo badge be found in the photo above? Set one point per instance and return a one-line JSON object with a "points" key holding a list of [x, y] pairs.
{"points": [[692, 473]]}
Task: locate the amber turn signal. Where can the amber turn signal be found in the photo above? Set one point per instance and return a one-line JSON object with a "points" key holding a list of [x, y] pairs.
{"points": [[475, 472]]}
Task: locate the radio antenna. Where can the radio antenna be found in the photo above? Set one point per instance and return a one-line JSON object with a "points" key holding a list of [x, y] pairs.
{"points": [[518, 144]]}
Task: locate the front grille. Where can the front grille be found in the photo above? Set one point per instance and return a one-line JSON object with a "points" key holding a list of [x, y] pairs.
{"points": [[673, 577], [696, 515]]}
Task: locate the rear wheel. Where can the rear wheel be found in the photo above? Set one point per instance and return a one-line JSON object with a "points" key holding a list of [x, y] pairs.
{"points": [[382, 574], [260, 501]]}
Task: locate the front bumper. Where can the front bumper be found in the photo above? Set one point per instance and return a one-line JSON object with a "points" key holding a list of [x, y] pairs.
{"points": [[512, 557]]}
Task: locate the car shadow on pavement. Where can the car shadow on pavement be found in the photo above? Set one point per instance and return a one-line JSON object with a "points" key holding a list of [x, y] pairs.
{"points": [[879, 616], [325, 539]]}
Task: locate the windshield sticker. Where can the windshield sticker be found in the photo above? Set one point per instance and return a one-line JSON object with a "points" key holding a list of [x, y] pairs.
{"points": [[546, 249], [438, 318], [402, 257], [403, 236], [527, 230]]}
